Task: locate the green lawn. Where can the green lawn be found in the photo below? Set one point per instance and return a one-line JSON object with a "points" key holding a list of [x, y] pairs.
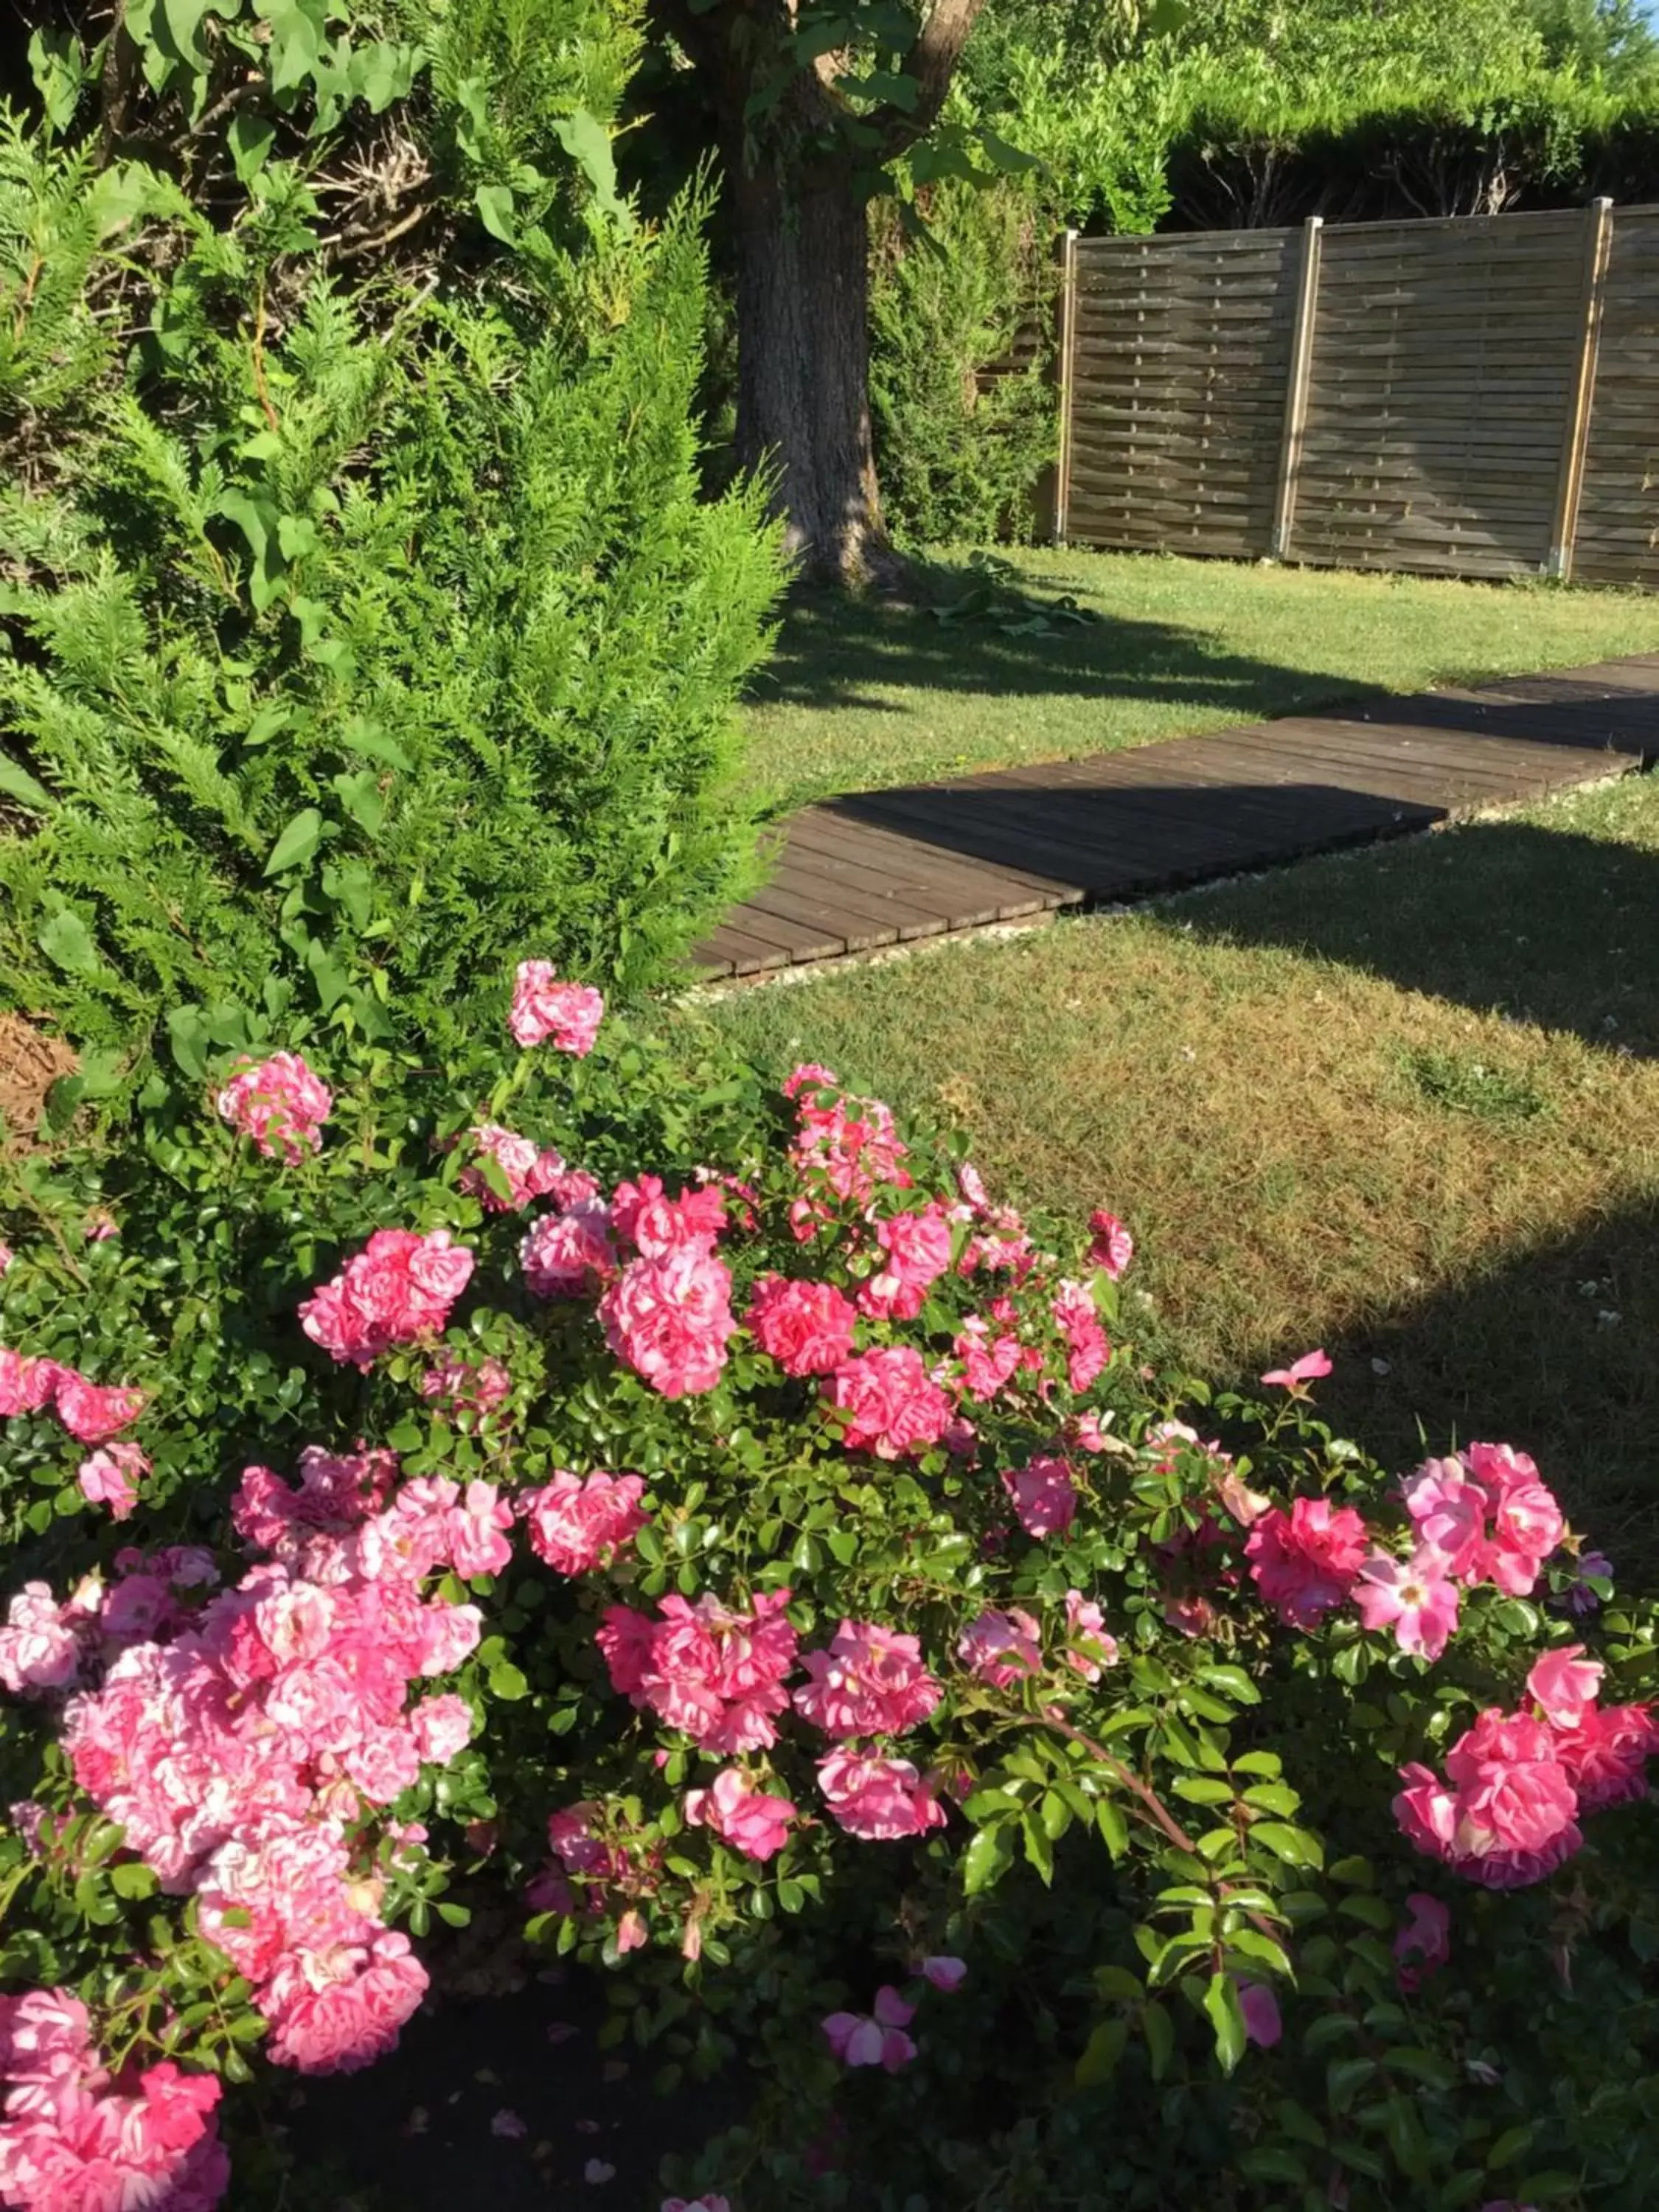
{"points": [[1404, 1102], [862, 695]]}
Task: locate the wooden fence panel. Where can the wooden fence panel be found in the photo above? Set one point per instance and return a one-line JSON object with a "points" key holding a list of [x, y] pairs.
{"points": [[1618, 538], [1471, 396], [1180, 352], [1444, 367]]}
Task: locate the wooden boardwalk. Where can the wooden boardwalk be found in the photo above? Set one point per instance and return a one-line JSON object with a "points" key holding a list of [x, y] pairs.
{"points": [[885, 868]]}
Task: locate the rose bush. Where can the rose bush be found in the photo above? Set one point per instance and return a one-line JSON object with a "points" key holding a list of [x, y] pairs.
{"points": [[706, 1518]]}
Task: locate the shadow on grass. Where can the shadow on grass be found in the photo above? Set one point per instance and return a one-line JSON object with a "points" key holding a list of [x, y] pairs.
{"points": [[833, 651], [1550, 1349], [1547, 927]]}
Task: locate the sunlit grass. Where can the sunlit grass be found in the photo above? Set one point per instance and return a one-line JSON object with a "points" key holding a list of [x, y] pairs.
{"points": [[862, 695], [1405, 1103]]}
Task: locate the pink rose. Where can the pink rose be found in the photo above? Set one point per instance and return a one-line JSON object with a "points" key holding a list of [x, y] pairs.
{"points": [[1605, 1753], [878, 1800], [1086, 1347], [577, 1525], [524, 1171], [280, 1103], [40, 1648], [1505, 1815], [441, 1728], [26, 1384], [892, 1407], [945, 1974], [1310, 1368], [918, 1252], [870, 1681], [1563, 1683], [746, 1818], [1088, 1647], [1002, 1649], [670, 1320], [93, 1413], [656, 1225], [477, 1529], [807, 1328], [400, 1287], [1111, 1247], [1260, 2009], [1304, 1562], [111, 1478], [1424, 1944], [570, 1254], [1415, 1596], [336, 2014], [1044, 1496], [543, 1008], [876, 2039], [1450, 1509]]}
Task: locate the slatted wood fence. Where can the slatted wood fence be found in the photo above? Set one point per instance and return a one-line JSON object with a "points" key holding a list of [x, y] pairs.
{"points": [[1475, 397]]}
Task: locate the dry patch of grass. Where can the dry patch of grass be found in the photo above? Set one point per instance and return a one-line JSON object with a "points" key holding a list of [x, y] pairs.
{"points": [[1405, 1103]]}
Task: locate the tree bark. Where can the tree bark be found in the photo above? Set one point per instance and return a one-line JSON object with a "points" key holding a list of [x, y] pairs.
{"points": [[803, 293], [803, 239]]}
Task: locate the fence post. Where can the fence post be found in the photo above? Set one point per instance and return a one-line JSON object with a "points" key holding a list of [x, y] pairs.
{"points": [[1067, 351], [1563, 529], [1296, 393]]}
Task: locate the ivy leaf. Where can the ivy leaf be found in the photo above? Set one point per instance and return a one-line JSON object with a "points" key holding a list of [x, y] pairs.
{"points": [[383, 72], [588, 144], [68, 943], [188, 1029], [249, 138], [256, 516], [184, 19], [20, 786], [298, 28], [363, 737], [266, 725], [1226, 2016], [495, 205], [58, 67], [297, 842]]}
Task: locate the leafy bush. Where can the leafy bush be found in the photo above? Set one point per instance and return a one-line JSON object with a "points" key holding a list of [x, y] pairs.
{"points": [[362, 623], [773, 1575]]}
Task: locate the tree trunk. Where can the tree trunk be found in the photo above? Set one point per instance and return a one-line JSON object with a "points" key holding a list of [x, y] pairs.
{"points": [[803, 365]]}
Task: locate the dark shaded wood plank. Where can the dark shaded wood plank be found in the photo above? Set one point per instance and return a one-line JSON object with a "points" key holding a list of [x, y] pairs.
{"points": [[878, 867]]}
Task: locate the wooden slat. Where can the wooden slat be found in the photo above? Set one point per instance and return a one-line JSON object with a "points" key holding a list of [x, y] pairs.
{"points": [[863, 872]]}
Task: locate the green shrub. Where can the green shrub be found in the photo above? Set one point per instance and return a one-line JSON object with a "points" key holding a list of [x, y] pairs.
{"points": [[363, 626], [960, 396]]}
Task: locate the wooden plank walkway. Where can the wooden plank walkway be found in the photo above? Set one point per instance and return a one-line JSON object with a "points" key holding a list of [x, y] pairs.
{"points": [[885, 868]]}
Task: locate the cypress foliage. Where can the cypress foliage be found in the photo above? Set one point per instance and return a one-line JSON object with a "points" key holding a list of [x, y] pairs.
{"points": [[364, 629]]}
